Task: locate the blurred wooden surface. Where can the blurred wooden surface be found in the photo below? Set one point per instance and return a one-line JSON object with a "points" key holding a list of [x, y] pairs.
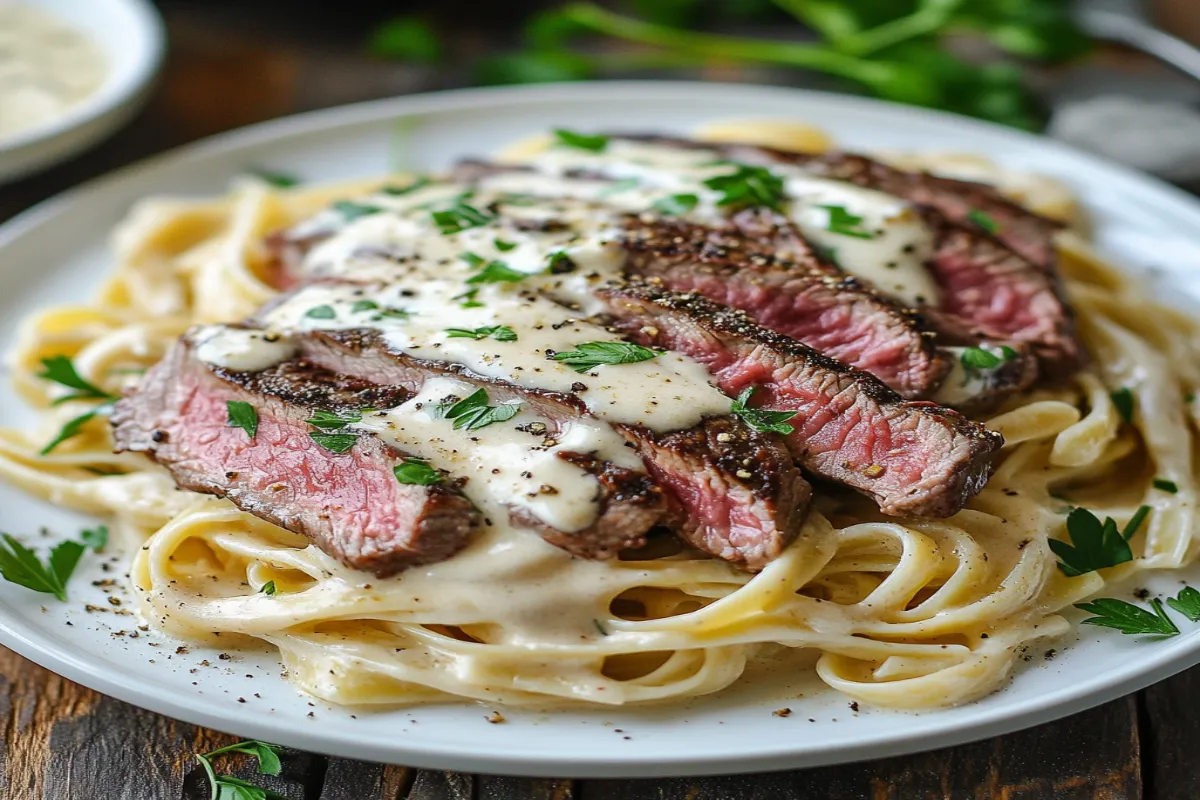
{"points": [[232, 64]]}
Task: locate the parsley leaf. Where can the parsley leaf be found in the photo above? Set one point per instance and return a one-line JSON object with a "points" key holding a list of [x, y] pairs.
{"points": [[407, 38], [74, 427], [242, 415], [1122, 399], [398, 191], [1164, 485], [560, 263], [977, 359], [501, 333], [20, 565], [268, 588], [329, 421], [588, 355], [334, 442], [473, 260], [280, 180], [1187, 602], [321, 312], [748, 186], [459, 217], [503, 246], [474, 412], [675, 204], [1095, 545], [468, 299], [497, 272], [60, 370], [582, 141], [225, 787], [843, 222], [984, 220], [351, 211], [391, 313], [95, 538], [616, 187], [762, 420], [361, 306], [1128, 618], [416, 472]]}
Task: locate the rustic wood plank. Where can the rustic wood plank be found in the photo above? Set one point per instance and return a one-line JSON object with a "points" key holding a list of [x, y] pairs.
{"points": [[497, 787], [348, 779], [1170, 727], [433, 785], [1090, 755]]}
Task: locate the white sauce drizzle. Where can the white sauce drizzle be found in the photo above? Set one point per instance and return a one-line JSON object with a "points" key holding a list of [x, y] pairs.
{"points": [[47, 67], [240, 349], [504, 465], [962, 385], [892, 258]]}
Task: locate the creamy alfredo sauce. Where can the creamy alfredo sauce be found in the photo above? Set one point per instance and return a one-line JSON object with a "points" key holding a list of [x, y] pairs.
{"points": [[46, 68], [887, 243]]}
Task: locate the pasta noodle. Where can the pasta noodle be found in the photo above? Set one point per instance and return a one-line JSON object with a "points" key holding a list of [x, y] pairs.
{"points": [[904, 614]]}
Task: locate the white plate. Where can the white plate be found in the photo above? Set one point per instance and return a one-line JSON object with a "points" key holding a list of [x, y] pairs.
{"points": [[130, 33], [57, 252]]}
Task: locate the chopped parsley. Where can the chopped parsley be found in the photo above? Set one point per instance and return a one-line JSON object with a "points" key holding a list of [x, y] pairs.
{"points": [[581, 141], [1122, 400], [73, 427], [473, 259], [242, 415], [268, 588], [675, 204], [1187, 602], [388, 312], [976, 359], [416, 472], [759, 419], [95, 538], [474, 412], [20, 565], [588, 355], [397, 191], [503, 246], [560, 263], [1095, 545], [468, 299], [501, 333], [321, 312], [1164, 485], [361, 306], [329, 421], [616, 187], [280, 180], [497, 272], [334, 442], [351, 211], [459, 217], [844, 223], [984, 220], [749, 186]]}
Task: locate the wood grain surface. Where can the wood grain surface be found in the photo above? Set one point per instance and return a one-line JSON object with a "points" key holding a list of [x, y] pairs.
{"points": [[62, 741]]}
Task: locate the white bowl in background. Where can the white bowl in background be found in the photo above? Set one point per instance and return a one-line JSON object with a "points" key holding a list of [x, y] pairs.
{"points": [[130, 33]]}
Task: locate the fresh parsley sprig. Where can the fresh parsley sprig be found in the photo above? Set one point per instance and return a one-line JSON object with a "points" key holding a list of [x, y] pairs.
{"points": [[61, 370], [20, 565], [1187, 602], [976, 360], [580, 141], [474, 412], [762, 420], [496, 272], [1128, 618], [242, 415], [588, 355], [845, 223], [416, 472], [1094, 544], [328, 424], [459, 217], [675, 204], [351, 211], [225, 787]]}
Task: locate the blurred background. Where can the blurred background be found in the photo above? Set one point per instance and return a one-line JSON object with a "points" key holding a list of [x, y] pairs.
{"points": [[1031, 64]]}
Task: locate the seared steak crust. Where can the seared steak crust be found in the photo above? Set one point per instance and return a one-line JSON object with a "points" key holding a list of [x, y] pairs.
{"points": [[735, 493], [799, 295], [350, 504], [912, 458]]}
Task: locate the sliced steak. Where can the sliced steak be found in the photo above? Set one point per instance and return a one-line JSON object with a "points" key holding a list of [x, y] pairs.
{"points": [[799, 296], [912, 458], [737, 493], [350, 505]]}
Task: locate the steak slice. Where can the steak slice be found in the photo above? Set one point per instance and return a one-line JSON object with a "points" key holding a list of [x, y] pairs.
{"points": [[350, 505], [912, 458], [736, 493], [799, 296]]}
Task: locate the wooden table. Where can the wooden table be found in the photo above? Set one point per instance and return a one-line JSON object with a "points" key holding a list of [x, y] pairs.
{"points": [[233, 64]]}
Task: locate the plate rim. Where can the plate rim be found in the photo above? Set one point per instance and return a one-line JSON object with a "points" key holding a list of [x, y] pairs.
{"points": [[33, 643]]}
